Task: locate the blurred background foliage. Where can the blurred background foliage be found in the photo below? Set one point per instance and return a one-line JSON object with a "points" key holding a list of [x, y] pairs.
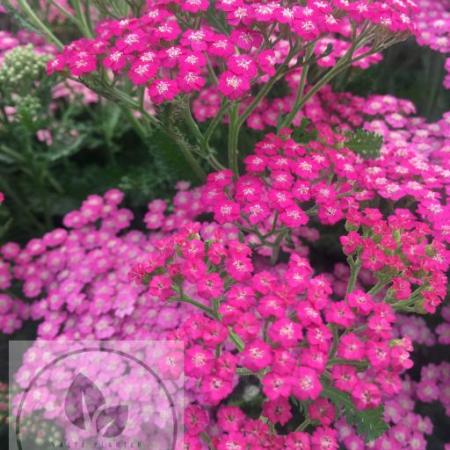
{"points": [[406, 71]]}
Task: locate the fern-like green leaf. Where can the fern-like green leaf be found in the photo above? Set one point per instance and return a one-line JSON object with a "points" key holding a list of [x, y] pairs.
{"points": [[303, 134], [365, 143], [369, 423]]}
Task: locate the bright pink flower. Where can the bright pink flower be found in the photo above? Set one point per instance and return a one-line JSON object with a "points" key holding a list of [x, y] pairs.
{"points": [[324, 439], [366, 395], [340, 314], [293, 217], [234, 440], [211, 286], [233, 86], [285, 332], [257, 355], [323, 411], [276, 385], [344, 377], [351, 347], [163, 90], [298, 440], [198, 361], [227, 211], [360, 301], [216, 389], [195, 419], [278, 411], [230, 418], [306, 384], [142, 72]]}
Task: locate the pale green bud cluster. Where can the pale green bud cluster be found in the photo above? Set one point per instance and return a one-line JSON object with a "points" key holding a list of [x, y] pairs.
{"points": [[22, 65], [28, 107]]}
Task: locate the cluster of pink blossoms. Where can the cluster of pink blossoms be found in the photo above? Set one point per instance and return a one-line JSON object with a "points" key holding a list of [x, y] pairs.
{"points": [[238, 287], [281, 336], [432, 20], [288, 189], [174, 46], [276, 322], [93, 299], [287, 182]]}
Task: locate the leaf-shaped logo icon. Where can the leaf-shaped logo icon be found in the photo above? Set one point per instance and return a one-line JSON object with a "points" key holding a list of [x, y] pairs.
{"points": [[82, 401], [112, 420]]}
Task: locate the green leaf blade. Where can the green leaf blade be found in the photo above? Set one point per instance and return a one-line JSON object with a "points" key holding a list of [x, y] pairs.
{"points": [[369, 423], [365, 143]]}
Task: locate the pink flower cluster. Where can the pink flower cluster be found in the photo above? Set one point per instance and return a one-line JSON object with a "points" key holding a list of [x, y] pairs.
{"points": [[280, 336], [432, 20], [286, 182], [176, 46], [226, 268], [78, 279], [408, 430], [434, 385], [50, 267], [286, 324], [447, 78]]}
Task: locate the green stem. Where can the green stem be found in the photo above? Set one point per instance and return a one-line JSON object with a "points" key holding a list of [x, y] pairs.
{"points": [[277, 246], [355, 267], [335, 332], [192, 123], [198, 305], [244, 372], [140, 130], [348, 362], [267, 87], [304, 425], [34, 20], [237, 341], [67, 14], [187, 153], [377, 287], [286, 122], [85, 27], [216, 121], [340, 66], [233, 139]]}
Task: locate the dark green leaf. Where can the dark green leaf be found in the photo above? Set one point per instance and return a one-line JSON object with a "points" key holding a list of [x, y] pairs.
{"points": [[302, 134], [365, 143], [369, 423], [66, 151]]}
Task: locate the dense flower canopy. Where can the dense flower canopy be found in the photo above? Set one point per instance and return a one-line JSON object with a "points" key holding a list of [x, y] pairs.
{"points": [[281, 351], [173, 52]]}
